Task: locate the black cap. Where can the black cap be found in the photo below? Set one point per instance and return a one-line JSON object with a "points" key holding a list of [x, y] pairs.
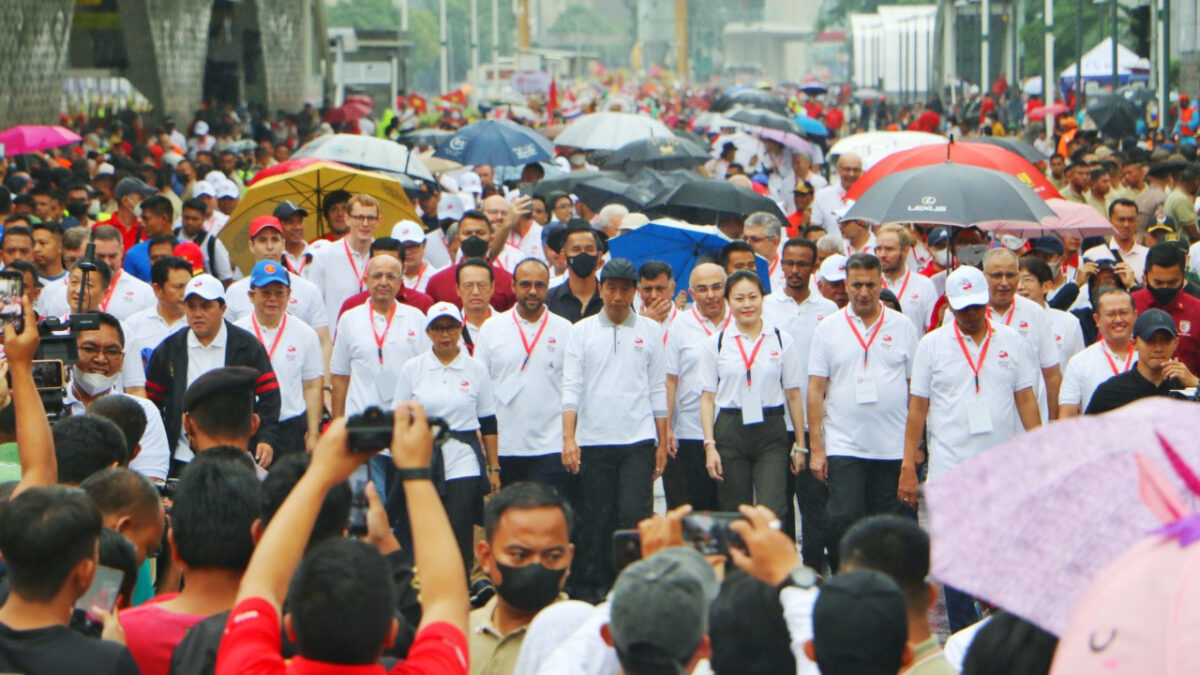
{"points": [[130, 186], [1152, 321], [860, 624], [287, 209], [619, 268], [1049, 245], [220, 380]]}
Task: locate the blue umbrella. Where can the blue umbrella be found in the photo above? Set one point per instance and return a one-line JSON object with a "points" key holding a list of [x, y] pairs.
{"points": [[679, 245], [810, 126], [496, 143]]}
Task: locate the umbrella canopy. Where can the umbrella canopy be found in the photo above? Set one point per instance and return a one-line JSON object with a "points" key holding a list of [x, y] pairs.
{"points": [[600, 192], [950, 194], [657, 153], [873, 146], [366, 152], [1042, 111], [1115, 116], [1029, 523], [813, 88], [291, 165], [810, 126], [680, 245], [1138, 95], [610, 130], [1013, 145], [973, 154], [787, 139], [497, 143], [712, 121], [566, 183], [307, 187], [709, 202], [35, 138], [750, 98], [867, 94], [1070, 218], [425, 137], [766, 119]]}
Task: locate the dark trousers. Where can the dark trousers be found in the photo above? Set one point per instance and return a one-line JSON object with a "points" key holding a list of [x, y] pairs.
{"points": [[544, 469], [686, 481], [961, 610], [291, 435], [811, 498], [754, 460], [463, 503], [859, 488], [615, 493]]}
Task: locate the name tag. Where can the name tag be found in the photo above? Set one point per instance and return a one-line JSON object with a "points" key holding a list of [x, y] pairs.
{"points": [[979, 419], [509, 387], [751, 407], [864, 390]]}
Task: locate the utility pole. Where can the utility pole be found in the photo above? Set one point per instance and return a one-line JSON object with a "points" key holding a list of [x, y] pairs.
{"points": [[523, 24], [1116, 68], [681, 40], [1163, 53], [985, 55], [1079, 54], [444, 36], [1049, 78]]}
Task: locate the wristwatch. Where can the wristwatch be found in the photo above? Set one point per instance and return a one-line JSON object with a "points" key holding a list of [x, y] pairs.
{"points": [[494, 469], [801, 577], [421, 473]]}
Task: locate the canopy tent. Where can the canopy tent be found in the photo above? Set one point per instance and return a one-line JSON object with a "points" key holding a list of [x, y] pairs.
{"points": [[1097, 65]]}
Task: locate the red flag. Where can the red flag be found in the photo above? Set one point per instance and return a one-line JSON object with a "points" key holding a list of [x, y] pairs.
{"points": [[418, 103], [552, 98], [457, 97]]}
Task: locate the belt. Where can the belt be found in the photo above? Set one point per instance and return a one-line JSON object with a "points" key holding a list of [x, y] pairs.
{"points": [[773, 410]]}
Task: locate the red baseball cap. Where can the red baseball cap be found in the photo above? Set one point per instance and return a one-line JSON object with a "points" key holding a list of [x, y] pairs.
{"points": [[190, 252], [262, 222]]}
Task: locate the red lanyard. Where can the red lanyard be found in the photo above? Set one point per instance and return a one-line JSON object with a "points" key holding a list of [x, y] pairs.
{"points": [[278, 336], [866, 344], [380, 338], [903, 287], [420, 273], [112, 286], [700, 321], [302, 262], [1112, 364], [670, 321], [975, 367], [753, 355], [524, 342], [361, 277], [1008, 316], [773, 266]]}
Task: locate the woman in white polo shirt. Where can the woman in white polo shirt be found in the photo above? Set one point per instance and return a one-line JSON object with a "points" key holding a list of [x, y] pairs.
{"points": [[458, 389], [747, 373]]}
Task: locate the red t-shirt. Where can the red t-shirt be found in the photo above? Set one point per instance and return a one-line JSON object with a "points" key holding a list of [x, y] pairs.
{"points": [[152, 633], [406, 296], [250, 646], [131, 233], [442, 287], [1185, 309]]}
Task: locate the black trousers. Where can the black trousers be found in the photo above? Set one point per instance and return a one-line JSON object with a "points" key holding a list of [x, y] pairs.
{"points": [[754, 460], [615, 492], [291, 435], [686, 481], [811, 497], [544, 469], [463, 502], [859, 488]]}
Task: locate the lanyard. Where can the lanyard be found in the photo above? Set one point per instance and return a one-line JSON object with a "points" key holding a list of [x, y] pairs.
{"points": [[700, 321], [1008, 316], [301, 261], [670, 321], [866, 344], [112, 286], [773, 266], [420, 273], [753, 355], [278, 336], [975, 367], [360, 277], [527, 344], [1112, 364], [380, 338], [903, 287]]}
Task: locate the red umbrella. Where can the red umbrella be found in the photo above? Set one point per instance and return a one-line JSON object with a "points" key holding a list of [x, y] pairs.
{"points": [[290, 166], [973, 154], [1053, 109]]}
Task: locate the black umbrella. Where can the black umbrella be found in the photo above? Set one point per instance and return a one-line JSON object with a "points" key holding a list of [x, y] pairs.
{"points": [[950, 194], [600, 192], [1138, 95], [691, 136], [657, 153], [1015, 146], [568, 182], [766, 118], [656, 181], [751, 98], [1114, 115], [709, 202]]}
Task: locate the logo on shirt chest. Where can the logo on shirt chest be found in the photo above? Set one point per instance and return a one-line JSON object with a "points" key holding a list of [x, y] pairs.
{"points": [[412, 335], [1004, 359], [294, 301], [638, 344], [1185, 327], [551, 343], [291, 353]]}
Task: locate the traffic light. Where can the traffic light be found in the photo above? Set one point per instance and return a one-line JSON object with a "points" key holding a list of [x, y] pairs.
{"points": [[1139, 25]]}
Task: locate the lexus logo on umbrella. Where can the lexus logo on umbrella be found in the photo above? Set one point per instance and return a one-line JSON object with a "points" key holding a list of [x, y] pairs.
{"points": [[928, 205]]}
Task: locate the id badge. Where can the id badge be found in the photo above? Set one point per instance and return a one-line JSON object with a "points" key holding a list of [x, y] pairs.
{"points": [[385, 385], [864, 390], [979, 419], [508, 388], [751, 407]]}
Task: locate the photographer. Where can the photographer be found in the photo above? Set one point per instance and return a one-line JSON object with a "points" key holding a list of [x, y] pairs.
{"points": [[35, 445]]}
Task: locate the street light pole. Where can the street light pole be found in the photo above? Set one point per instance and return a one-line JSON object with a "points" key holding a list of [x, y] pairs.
{"points": [[1116, 68], [985, 56], [445, 47]]}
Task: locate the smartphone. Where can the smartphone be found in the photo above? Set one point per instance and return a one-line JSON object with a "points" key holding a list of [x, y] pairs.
{"points": [[626, 548], [48, 374], [12, 288], [358, 500], [103, 593], [708, 532]]}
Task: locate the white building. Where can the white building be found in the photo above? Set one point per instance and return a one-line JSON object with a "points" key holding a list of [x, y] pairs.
{"points": [[894, 49]]}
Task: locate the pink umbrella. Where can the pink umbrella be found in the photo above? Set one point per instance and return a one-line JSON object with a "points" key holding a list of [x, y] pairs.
{"points": [[1053, 109], [1028, 524], [35, 138], [1081, 220], [292, 165], [788, 139]]}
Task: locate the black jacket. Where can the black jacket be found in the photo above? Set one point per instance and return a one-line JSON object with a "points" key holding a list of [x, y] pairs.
{"points": [[166, 381]]}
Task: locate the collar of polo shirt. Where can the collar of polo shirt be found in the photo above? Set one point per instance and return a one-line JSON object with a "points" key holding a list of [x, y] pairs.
{"points": [[630, 321], [459, 362]]}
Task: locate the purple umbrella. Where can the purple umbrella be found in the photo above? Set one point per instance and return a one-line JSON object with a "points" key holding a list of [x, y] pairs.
{"points": [[786, 138], [1028, 524], [35, 138]]}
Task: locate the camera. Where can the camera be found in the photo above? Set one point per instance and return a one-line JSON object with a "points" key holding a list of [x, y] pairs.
{"points": [[708, 532], [371, 430]]}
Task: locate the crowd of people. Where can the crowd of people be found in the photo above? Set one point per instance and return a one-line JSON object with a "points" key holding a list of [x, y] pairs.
{"points": [[535, 389]]}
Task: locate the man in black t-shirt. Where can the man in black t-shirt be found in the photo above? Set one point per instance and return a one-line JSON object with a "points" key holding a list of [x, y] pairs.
{"points": [[1156, 372], [49, 538]]}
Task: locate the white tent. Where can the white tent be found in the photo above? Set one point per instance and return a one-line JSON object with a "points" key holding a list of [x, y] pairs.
{"points": [[1097, 66]]}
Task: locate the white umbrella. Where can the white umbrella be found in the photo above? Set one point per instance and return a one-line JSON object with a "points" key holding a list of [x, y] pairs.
{"points": [[609, 131], [366, 152], [873, 146]]}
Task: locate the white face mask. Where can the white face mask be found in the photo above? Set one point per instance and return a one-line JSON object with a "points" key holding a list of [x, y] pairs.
{"points": [[1011, 242], [941, 257], [93, 383]]}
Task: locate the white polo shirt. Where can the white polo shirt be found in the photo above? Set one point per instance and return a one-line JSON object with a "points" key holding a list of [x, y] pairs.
{"points": [[614, 376], [129, 296], [154, 458], [305, 303], [825, 201], [145, 331], [917, 297], [1029, 319], [528, 400], [356, 353], [295, 352], [868, 247], [201, 359], [800, 321], [530, 245], [686, 340], [459, 393], [1067, 334], [866, 404], [337, 270], [775, 273], [773, 369], [1089, 369], [941, 374], [421, 281]]}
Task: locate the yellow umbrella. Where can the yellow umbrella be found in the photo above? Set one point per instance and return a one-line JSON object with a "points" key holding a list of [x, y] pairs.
{"points": [[307, 187]]}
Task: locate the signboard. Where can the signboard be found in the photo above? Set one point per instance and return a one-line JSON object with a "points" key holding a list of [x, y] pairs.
{"points": [[367, 72], [531, 81]]}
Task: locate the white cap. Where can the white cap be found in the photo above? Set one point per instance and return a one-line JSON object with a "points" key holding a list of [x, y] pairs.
{"points": [[206, 286], [833, 269], [441, 309], [105, 169], [448, 182], [408, 232], [632, 221], [215, 177], [201, 128], [966, 286], [228, 190], [450, 207], [204, 188], [470, 182]]}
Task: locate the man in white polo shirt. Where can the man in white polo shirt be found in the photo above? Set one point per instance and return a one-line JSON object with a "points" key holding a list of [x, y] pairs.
{"points": [[914, 290], [147, 328], [831, 280], [523, 351], [829, 198], [338, 269], [972, 388], [1108, 357], [858, 370], [126, 294], [295, 353], [417, 270], [614, 403]]}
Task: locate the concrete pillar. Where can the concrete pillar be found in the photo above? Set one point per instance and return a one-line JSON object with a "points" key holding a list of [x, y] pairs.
{"points": [[168, 44], [281, 23], [34, 35]]}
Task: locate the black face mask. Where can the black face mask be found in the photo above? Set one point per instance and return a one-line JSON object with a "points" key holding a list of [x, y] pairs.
{"points": [[474, 247], [530, 587], [1163, 296], [582, 264], [77, 209]]}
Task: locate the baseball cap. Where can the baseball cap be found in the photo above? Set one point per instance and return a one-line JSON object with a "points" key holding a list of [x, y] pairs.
{"points": [[441, 309], [1162, 224], [619, 268], [1050, 245], [206, 286], [190, 252], [450, 207], [201, 128], [203, 188], [220, 380], [659, 606], [268, 271], [966, 287], [802, 188], [408, 232], [130, 186], [287, 209], [860, 624], [1151, 321], [938, 236], [470, 182], [833, 269], [448, 182], [262, 222], [228, 190]]}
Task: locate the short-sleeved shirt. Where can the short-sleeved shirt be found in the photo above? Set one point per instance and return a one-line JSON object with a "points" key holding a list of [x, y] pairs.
{"points": [[152, 633], [1067, 334], [1091, 367], [1180, 206], [917, 297], [145, 331], [61, 651], [1126, 388], [491, 652], [686, 341], [305, 301], [356, 353], [773, 370], [800, 321], [563, 302], [827, 200], [459, 392], [337, 270], [295, 355]]}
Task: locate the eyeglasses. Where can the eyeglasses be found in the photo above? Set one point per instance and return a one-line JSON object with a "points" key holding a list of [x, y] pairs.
{"points": [[390, 276], [92, 350], [445, 330], [475, 285], [363, 218]]}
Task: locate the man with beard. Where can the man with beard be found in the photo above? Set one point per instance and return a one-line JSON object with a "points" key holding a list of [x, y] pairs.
{"points": [[339, 268], [914, 291]]}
